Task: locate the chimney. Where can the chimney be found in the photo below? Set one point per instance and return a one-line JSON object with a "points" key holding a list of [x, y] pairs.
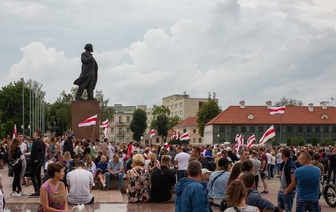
{"points": [[269, 104], [242, 104], [310, 107], [323, 105]]}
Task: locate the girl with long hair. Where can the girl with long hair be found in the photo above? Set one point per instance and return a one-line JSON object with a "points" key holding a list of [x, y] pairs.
{"points": [[15, 154]]}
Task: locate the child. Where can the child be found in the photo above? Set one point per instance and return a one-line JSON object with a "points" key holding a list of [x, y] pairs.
{"points": [[205, 177]]}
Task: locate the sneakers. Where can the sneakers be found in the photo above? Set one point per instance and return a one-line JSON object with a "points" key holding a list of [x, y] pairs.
{"points": [[24, 193], [79, 208], [15, 194], [34, 195], [264, 192]]}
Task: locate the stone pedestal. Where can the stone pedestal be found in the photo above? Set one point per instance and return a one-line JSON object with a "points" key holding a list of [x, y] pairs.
{"points": [[81, 110]]}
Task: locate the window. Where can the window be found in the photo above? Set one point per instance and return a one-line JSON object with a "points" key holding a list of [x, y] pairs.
{"points": [[181, 112], [194, 130], [127, 140], [176, 105], [181, 104], [120, 119], [300, 129], [317, 129], [261, 129], [157, 140], [199, 140], [128, 119], [172, 106], [184, 130], [176, 113], [334, 129], [194, 140], [128, 130], [309, 129], [112, 130], [243, 129], [222, 129], [325, 129], [289, 129], [120, 131], [172, 114], [277, 129], [252, 129], [200, 104], [112, 119]]}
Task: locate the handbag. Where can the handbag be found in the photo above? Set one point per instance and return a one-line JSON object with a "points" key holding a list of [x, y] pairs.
{"points": [[223, 205], [14, 162]]}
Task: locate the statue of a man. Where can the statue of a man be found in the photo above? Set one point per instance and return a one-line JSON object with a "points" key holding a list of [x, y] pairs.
{"points": [[88, 77]]}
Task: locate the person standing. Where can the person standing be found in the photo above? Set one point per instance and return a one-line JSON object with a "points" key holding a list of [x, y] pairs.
{"points": [[196, 152], [15, 154], [279, 161], [23, 148], [263, 170], [36, 160], [286, 192], [181, 162], [256, 168], [332, 166], [68, 146], [190, 193], [307, 181]]}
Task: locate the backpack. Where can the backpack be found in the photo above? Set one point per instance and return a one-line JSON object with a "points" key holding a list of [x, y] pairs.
{"points": [[211, 164]]}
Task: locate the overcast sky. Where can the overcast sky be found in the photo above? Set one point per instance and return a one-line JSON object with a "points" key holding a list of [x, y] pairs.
{"points": [[252, 50]]}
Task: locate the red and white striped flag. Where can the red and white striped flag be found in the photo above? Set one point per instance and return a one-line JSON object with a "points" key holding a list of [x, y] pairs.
{"points": [[105, 124], [185, 136], [152, 133], [250, 141], [277, 110], [270, 133], [167, 145], [14, 132], [173, 137], [88, 122], [242, 139], [237, 144]]}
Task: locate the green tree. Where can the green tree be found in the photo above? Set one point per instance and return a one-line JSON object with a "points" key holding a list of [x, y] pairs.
{"points": [[289, 142], [106, 112], [298, 142], [289, 102], [327, 142], [314, 141], [138, 124], [206, 112], [173, 121], [162, 125], [9, 127]]}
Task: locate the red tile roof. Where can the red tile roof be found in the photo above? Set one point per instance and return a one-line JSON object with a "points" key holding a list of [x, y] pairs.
{"points": [[191, 121], [293, 115]]}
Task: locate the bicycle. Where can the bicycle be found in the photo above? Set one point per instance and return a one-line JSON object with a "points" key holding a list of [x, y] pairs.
{"points": [[329, 193]]}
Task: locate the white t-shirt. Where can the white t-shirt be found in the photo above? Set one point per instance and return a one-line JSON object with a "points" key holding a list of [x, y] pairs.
{"points": [[182, 159], [79, 181], [23, 148], [269, 157], [279, 158]]}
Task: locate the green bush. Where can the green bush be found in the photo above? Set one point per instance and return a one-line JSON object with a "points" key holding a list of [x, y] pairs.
{"points": [[327, 142]]}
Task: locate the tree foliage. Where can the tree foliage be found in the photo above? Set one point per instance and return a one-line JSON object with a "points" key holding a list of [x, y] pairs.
{"points": [[138, 124], [162, 125], [289, 102], [206, 112], [173, 121]]}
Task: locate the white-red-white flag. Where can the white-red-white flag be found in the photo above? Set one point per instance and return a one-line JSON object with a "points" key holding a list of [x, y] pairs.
{"points": [[277, 110], [185, 136], [167, 145], [250, 141], [270, 133], [237, 144], [152, 133], [173, 137], [88, 122], [14, 132], [242, 139], [105, 124]]}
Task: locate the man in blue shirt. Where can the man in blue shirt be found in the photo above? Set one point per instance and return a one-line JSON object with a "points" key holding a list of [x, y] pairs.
{"points": [[307, 179], [115, 169], [190, 194]]}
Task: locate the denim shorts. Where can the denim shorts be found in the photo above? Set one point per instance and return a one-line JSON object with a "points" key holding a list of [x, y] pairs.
{"points": [[285, 201], [304, 205]]}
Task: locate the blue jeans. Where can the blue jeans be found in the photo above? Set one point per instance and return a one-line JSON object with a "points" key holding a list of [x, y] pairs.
{"points": [[307, 205], [278, 165], [285, 201], [180, 174], [119, 176]]}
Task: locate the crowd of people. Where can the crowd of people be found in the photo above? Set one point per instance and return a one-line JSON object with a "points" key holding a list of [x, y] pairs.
{"points": [[195, 178]]}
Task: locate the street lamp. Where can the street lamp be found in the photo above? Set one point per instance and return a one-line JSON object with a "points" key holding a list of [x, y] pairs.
{"points": [[142, 139], [218, 135]]}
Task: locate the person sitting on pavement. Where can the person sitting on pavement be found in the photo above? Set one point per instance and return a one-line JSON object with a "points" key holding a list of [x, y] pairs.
{"points": [[138, 190], [101, 170], [97, 159], [115, 169], [253, 197], [190, 194], [80, 183], [162, 182], [90, 165]]}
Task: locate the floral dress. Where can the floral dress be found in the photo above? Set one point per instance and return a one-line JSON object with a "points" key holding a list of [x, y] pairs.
{"points": [[138, 187]]}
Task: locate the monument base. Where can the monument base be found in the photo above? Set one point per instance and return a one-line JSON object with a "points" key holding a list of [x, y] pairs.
{"points": [[81, 110]]}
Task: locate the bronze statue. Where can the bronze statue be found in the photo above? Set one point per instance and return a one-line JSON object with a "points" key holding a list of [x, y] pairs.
{"points": [[88, 77]]}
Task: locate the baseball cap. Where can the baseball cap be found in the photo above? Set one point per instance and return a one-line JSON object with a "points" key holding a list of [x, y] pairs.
{"points": [[204, 171]]}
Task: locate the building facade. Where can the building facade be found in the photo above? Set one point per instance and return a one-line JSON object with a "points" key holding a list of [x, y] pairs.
{"points": [[306, 122], [189, 125], [120, 124]]}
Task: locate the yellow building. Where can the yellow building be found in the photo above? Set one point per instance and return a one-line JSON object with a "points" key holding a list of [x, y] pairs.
{"points": [[189, 125]]}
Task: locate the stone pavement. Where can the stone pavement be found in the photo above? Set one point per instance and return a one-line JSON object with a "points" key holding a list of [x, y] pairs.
{"points": [[114, 200]]}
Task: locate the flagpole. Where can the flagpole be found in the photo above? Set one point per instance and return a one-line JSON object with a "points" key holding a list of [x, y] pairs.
{"points": [[280, 127], [94, 128]]}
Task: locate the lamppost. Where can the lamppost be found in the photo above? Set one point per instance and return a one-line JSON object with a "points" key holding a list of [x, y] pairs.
{"points": [[218, 135], [142, 139]]}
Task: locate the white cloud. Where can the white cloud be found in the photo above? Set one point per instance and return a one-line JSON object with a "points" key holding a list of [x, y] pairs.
{"points": [[242, 50]]}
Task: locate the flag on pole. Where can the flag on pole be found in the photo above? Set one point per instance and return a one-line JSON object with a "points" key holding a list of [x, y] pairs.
{"points": [[152, 133], [250, 141], [88, 122], [105, 124], [242, 139], [277, 110], [167, 145], [173, 137], [270, 133], [185, 136], [237, 140], [14, 132]]}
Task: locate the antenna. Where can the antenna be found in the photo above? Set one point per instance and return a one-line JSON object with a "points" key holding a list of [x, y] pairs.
{"points": [[209, 95], [214, 95]]}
